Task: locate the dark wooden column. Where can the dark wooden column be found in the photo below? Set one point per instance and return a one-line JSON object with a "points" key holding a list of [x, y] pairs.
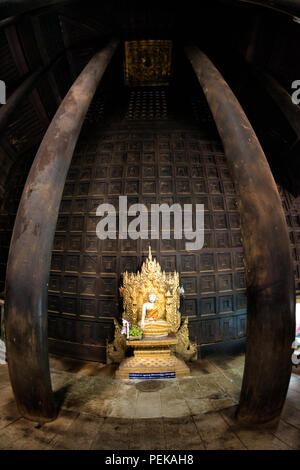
{"points": [[30, 250], [268, 261]]}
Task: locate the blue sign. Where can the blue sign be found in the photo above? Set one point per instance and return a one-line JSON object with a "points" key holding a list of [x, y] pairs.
{"points": [[152, 375]]}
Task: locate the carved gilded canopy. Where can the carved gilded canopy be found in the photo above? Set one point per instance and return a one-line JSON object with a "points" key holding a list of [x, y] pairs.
{"points": [[151, 279]]}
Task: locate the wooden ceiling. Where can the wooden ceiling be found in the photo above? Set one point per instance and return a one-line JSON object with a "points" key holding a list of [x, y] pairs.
{"points": [[66, 34]]}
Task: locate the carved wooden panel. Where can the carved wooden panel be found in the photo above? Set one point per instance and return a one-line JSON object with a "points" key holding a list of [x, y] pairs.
{"points": [[291, 206], [163, 166], [147, 104], [85, 272], [148, 62]]}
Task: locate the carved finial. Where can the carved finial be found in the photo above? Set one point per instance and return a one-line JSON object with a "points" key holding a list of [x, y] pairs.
{"points": [[150, 254]]}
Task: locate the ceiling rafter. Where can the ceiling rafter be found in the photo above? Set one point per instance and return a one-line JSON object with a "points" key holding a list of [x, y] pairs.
{"points": [[77, 37], [21, 64], [45, 56]]}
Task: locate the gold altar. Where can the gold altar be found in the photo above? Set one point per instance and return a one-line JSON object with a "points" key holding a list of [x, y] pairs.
{"points": [[152, 359], [151, 300]]}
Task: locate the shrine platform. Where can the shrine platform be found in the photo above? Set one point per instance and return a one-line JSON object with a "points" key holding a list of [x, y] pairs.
{"points": [[152, 359]]}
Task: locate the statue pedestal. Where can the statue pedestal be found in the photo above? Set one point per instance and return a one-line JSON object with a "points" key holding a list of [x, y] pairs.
{"points": [[152, 360]]}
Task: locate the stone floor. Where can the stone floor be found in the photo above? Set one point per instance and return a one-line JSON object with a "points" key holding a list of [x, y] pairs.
{"points": [[100, 412]]}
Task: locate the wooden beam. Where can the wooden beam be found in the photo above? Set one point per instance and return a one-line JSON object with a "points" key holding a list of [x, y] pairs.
{"points": [[30, 252], [7, 110], [21, 65], [280, 96], [17, 7], [287, 7], [268, 261]]}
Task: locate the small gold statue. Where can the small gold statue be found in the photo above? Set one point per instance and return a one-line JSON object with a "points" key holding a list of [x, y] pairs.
{"points": [[115, 351], [150, 323]]}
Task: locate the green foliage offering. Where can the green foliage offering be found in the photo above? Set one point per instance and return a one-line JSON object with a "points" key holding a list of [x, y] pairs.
{"points": [[134, 330]]}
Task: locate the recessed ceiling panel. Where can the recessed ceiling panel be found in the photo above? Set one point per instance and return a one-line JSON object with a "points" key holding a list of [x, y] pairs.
{"points": [[148, 62]]}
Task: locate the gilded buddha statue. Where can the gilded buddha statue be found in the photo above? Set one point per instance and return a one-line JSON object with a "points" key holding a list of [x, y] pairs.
{"points": [[151, 299], [151, 322]]}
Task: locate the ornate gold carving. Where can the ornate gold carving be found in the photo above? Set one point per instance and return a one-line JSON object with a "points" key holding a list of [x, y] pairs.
{"points": [[148, 62], [115, 351], [151, 279], [152, 354], [184, 347], [157, 363]]}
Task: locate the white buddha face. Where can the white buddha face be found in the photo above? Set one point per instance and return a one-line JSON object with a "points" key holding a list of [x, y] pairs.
{"points": [[152, 298]]}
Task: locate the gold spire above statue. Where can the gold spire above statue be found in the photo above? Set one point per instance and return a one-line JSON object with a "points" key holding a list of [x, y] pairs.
{"points": [[151, 298]]}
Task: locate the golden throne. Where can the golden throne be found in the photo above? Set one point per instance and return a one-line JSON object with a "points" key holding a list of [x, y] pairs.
{"points": [[151, 300]]}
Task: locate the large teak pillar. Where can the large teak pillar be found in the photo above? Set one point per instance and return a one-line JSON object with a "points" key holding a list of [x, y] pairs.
{"points": [[30, 250], [268, 261]]}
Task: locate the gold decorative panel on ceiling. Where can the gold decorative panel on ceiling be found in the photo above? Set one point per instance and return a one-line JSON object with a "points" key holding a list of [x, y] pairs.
{"points": [[148, 62]]}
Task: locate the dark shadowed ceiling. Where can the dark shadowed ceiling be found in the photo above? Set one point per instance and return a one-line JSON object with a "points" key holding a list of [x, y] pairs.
{"points": [[65, 34]]}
